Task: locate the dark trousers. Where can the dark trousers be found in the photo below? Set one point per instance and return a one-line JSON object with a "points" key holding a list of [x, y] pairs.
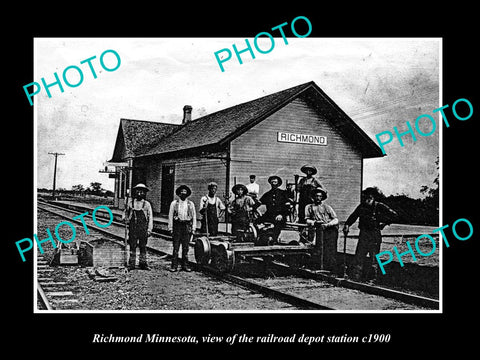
{"points": [[181, 236], [326, 246], [277, 225], [137, 237], [369, 242], [212, 217], [302, 203]]}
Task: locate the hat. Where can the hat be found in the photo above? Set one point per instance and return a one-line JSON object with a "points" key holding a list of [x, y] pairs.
{"points": [[140, 187], [275, 177], [181, 187], [322, 190], [239, 186], [305, 167], [374, 191]]}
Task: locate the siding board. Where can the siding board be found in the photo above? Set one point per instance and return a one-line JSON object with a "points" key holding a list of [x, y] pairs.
{"points": [[339, 164]]}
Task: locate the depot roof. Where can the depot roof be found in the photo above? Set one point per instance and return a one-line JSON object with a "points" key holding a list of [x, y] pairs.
{"points": [[143, 138]]}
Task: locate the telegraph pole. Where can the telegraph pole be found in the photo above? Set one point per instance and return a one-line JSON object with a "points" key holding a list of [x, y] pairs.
{"points": [[55, 171]]}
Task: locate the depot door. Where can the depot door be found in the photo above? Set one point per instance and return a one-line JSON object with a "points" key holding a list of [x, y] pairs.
{"points": [[168, 182]]}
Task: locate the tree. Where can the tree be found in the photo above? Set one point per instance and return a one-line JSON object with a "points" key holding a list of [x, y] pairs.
{"points": [[432, 193], [78, 189], [431, 202], [95, 188]]}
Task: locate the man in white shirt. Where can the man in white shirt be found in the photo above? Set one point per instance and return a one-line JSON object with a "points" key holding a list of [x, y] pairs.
{"points": [[182, 222], [322, 218], [253, 188]]}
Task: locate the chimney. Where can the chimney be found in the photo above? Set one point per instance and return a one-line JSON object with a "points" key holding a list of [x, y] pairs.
{"points": [[187, 114]]}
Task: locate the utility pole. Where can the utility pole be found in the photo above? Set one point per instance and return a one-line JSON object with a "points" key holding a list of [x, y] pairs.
{"points": [[55, 171]]}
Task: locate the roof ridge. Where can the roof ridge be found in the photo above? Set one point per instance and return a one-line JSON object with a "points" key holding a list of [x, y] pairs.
{"points": [[257, 99], [278, 99], [149, 121]]}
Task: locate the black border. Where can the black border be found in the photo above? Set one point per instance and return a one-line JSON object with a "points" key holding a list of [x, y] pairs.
{"points": [[422, 332]]}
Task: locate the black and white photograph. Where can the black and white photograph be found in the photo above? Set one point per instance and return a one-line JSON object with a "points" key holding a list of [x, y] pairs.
{"points": [[290, 203], [225, 180]]}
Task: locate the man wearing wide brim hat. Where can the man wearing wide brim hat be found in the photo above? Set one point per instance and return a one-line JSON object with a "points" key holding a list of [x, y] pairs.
{"points": [[241, 209], [304, 189], [320, 190], [277, 203], [372, 216], [324, 220], [236, 187], [182, 222], [308, 168], [140, 186], [139, 218], [183, 187], [277, 178]]}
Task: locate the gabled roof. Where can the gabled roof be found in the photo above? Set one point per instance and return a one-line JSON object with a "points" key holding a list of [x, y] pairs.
{"points": [[218, 127], [135, 135], [222, 126]]}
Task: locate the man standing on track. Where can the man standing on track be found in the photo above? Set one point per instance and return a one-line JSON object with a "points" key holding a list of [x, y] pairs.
{"points": [[139, 218], [182, 222], [277, 203], [323, 219], [241, 209], [212, 209], [304, 188], [373, 217]]}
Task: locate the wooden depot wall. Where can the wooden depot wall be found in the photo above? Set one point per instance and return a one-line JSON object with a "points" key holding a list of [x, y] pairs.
{"points": [[339, 164], [195, 172], [257, 151]]}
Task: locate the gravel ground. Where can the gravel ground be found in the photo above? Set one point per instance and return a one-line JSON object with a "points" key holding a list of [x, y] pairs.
{"points": [[158, 289]]}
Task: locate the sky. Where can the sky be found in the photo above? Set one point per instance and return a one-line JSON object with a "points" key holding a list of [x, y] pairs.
{"points": [[379, 82]]}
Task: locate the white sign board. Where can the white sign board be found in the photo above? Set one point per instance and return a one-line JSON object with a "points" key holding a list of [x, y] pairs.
{"points": [[301, 138]]}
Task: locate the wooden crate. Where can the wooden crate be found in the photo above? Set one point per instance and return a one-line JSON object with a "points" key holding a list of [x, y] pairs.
{"points": [[103, 253], [68, 257]]}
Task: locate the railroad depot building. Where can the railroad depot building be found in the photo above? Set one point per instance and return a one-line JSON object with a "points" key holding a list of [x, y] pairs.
{"points": [[272, 135]]}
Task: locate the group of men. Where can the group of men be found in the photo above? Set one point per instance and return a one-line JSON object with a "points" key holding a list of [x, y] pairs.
{"points": [[319, 218]]}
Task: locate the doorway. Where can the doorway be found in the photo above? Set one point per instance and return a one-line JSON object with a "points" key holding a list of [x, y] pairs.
{"points": [[168, 183]]}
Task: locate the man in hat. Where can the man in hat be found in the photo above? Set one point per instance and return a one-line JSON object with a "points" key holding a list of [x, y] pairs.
{"points": [[182, 222], [304, 188], [373, 217], [241, 209], [277, 203], [323, 219], [253, 188], [138, 215], [211, 208]]}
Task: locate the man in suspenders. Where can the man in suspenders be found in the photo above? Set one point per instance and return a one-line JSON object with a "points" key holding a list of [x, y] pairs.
{"points": [[182, 222], [373, 217], [139, 217], [211, 208], [324, 222]]}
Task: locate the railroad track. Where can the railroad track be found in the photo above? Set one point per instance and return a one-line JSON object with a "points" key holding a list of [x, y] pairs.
{"points": [[51, 294], [302, 288]]}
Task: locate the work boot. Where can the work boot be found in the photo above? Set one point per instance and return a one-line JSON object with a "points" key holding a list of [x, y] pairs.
{"points": [[185, 266], [131, 264], [173, 267], [144, 266]]}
